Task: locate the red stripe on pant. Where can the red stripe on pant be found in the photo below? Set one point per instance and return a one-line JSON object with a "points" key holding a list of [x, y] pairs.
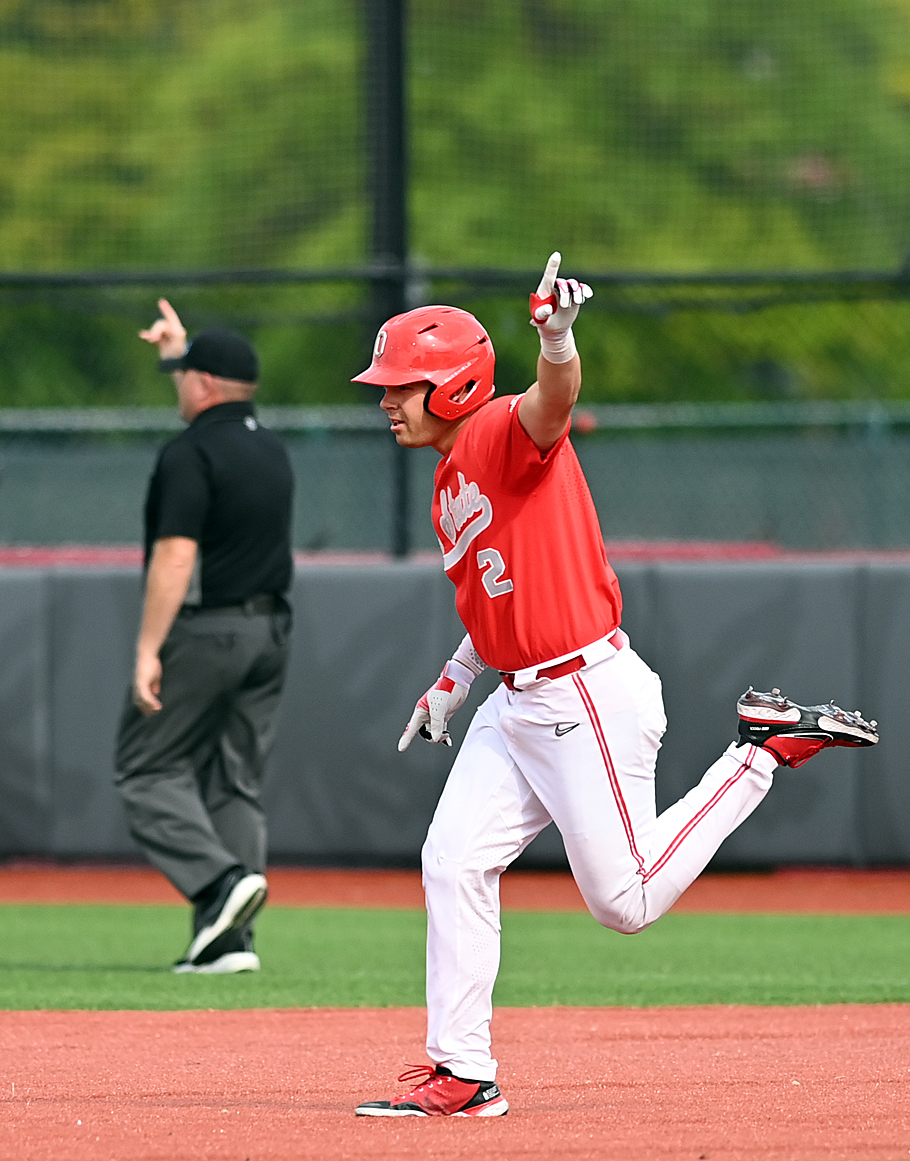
{"points": [[591, 709], [681, 836], [696, 819]]}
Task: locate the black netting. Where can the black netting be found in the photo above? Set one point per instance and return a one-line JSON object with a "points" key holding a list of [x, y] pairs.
{"points": [[658, 135], [733, 176], [175, 136], [636, 134]]}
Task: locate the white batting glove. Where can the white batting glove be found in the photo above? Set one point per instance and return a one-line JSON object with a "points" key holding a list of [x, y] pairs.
{"points": [[554, 308], [432, 713]]}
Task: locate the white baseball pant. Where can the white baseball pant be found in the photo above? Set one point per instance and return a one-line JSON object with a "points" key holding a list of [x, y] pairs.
{"points": [[513, 775]]}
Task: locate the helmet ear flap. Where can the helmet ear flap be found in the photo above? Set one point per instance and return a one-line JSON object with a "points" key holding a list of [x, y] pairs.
{"points": [[461, 394]]}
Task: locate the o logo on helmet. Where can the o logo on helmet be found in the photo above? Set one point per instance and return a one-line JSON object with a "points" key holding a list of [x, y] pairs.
{"points": [[379, 345]]}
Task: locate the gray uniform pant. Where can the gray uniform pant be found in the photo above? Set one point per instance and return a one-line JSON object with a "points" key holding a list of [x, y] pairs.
{"points": [[190, 776]]}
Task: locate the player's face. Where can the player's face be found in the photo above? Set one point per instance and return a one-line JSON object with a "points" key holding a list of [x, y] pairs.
{"points": [[412, 425]]}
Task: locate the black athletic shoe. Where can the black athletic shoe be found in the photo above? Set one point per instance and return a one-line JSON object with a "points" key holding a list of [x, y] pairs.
{"points": [[440, 1094], [234, 955], [795, 733], [239, 896]]}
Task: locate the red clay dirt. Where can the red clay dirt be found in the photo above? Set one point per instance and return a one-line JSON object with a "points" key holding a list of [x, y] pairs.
{"points": [[806, 890], [706, 1084], [718, 1084]]}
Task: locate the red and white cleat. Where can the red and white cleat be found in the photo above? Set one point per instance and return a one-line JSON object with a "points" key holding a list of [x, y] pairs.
{"points": [[440, 1094], [795, 733]]}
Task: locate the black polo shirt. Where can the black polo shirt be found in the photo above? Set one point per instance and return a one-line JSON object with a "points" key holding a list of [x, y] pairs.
{"points": [[226, 483]]}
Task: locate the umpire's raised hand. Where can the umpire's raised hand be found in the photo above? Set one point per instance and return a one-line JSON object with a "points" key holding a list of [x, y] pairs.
{"points": [[167, 332]]}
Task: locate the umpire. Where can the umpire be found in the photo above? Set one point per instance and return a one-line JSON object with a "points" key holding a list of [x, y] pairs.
{"points": [[213, 644]]}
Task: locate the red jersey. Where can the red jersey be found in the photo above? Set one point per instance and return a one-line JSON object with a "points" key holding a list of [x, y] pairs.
{"points": [[522, 543]]}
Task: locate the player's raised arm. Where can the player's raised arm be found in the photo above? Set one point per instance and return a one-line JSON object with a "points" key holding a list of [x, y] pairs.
{"points": [[546, 407]]}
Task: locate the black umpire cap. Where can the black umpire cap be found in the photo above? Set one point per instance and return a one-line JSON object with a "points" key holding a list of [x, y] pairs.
{"points": [[222, 353]]}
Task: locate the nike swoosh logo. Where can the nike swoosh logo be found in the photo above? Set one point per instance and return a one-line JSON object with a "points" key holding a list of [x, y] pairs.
{"points": [[561, 730]]}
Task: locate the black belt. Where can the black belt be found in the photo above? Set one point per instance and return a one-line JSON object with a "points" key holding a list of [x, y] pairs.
{"points": [[260, 604]]}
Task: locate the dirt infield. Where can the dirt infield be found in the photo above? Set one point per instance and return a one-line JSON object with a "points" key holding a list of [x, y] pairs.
{"points": [[694, 1084], [810, 891], [716, 1084]]}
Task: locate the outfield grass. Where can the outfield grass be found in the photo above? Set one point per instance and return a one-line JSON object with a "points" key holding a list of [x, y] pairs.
{"points": [[95, 957]]}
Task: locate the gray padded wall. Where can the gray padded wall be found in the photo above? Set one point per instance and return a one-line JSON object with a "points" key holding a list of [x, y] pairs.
{"points": [[364, 640], [93, 618], [26, 774], [370, 639], [883, 778], [710, 632]]}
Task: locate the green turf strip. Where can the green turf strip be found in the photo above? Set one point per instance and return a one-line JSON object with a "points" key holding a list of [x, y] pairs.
{"points": [[118, 957]]}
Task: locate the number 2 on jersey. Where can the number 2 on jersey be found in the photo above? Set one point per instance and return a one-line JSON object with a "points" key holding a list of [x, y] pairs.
{"points": [[493, 566]]}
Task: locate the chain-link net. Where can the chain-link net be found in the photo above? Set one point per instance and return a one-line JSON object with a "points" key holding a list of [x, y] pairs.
{"points": [[161, 135], [740, 445], [718, 338], [703, 479], [635, 134], [216, 153], [641, 341], [654, 135]]}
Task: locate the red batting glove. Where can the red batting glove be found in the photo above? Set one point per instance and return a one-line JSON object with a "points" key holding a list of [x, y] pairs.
{"points": [[541, 307]]}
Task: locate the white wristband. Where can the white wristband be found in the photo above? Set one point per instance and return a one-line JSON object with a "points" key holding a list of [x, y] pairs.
{"points": [[465, 663], [458, 673], [557, 347]]}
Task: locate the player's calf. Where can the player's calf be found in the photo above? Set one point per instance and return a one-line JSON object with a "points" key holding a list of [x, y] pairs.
{"points": [[795, 733]]}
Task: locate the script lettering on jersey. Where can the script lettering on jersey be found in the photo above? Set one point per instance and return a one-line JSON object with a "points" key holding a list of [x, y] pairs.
{"points": [[463, 516]]}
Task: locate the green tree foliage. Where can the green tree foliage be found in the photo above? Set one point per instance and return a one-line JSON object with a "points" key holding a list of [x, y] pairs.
{"points": [[636, 135], [654, 135], [178, 136]]}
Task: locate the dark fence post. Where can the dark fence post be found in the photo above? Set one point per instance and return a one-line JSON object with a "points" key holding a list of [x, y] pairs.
{"points": [[388, 181]]}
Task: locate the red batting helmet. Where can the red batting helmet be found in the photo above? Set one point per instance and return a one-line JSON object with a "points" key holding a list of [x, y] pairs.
{"points": [[442, 344]]}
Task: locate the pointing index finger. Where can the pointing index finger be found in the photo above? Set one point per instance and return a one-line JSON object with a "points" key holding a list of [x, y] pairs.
{"points": [[548, 280], [168, 312]]}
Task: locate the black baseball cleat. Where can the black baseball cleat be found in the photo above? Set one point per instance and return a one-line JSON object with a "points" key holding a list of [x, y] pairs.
{"points": [[439, 1094], [795, 733], [234, 953], [237, 897]]}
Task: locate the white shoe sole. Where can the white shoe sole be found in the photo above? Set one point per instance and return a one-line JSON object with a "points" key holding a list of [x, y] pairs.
{"points": [[229, 964], [239, 907]]}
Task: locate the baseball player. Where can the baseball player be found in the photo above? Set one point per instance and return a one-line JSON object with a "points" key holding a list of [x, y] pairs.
{"points": [[572, 732]]}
